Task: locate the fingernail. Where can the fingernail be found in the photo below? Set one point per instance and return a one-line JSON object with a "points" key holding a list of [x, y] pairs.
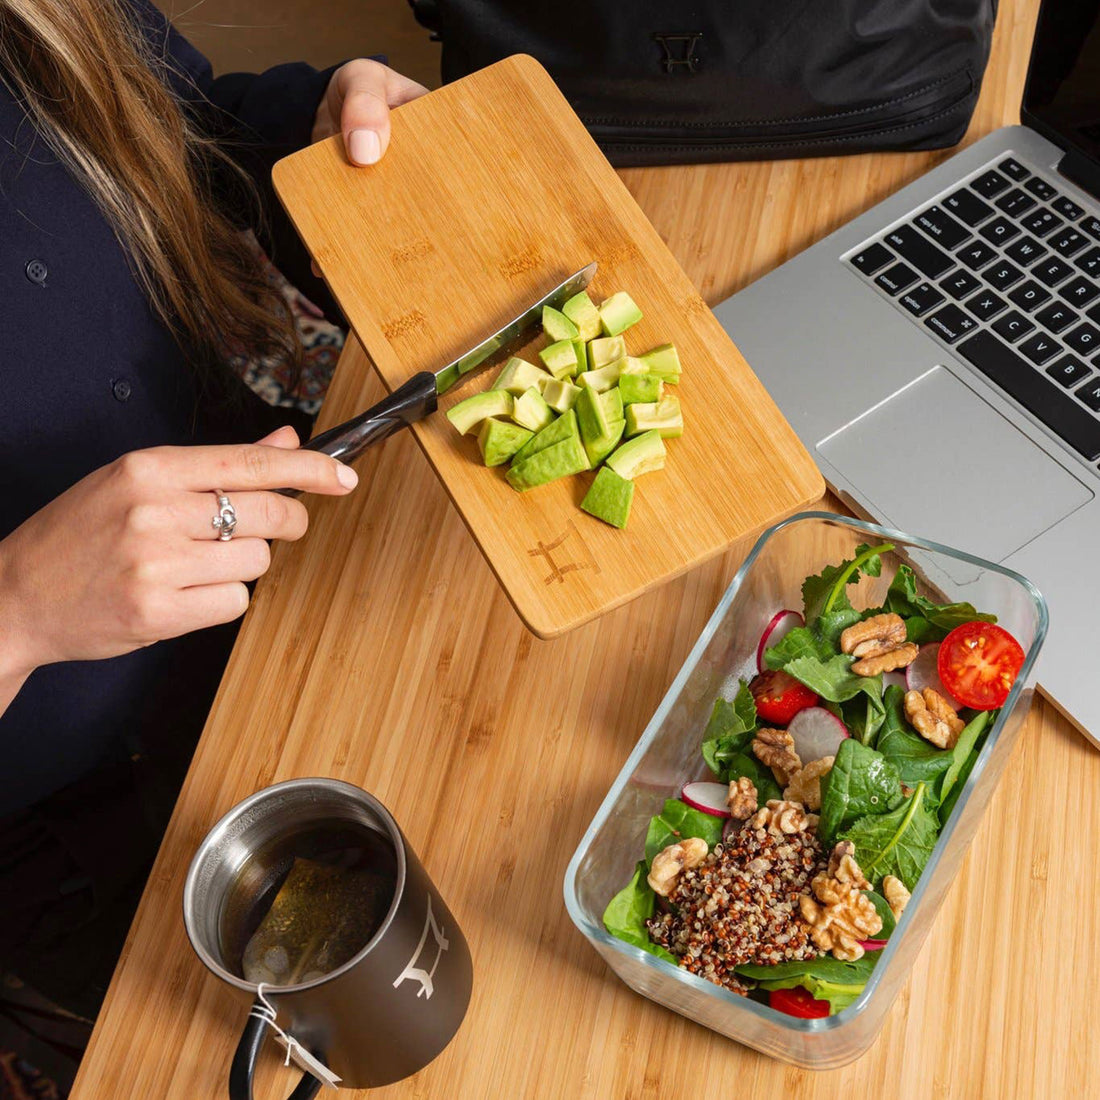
{"points": [[364, 146], [346, 476]]}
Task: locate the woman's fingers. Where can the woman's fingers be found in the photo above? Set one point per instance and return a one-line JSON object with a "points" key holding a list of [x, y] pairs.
{"points": [[367, 90], [262, 515], [205, 563], [207, 605]]}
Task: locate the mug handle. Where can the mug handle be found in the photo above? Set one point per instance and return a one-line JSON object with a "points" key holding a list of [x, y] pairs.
{"points": [[244, 1064]]}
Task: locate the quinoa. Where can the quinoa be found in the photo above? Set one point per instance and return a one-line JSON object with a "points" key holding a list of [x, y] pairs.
{"points": [[740, 905]]}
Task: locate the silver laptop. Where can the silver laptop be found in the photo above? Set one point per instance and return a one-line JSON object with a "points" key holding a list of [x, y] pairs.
{"points": [[940, 355]]}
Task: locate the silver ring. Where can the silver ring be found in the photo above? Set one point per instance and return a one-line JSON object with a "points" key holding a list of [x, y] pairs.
{"points": [[225, 522]]}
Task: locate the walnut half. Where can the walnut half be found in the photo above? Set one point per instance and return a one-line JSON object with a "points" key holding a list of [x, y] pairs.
{"points": [[878, 644], [805, 784], [775, 748], [742, 799], [664, 871], [838, 913], [784, 817], [933, 717]]}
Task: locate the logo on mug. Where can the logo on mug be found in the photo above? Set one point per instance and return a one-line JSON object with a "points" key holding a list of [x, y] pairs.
{"points": [[419, 972]]}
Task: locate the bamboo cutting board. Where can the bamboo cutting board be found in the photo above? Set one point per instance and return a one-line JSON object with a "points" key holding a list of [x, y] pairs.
{"points": [[491, 193]]}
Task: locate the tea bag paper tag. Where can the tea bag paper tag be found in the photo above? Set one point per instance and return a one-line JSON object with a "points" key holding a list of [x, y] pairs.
{"points": [[295, 1052]]}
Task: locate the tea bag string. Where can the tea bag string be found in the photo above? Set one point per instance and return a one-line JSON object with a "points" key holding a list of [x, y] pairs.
{"points": [[266, 1011]]}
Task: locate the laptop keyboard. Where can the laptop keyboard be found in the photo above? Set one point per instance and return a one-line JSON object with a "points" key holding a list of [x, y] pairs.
{"points": [[1005, 270]]}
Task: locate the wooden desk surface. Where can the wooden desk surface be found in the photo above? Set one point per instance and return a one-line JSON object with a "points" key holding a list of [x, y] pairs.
{"points": [[380, 650]]}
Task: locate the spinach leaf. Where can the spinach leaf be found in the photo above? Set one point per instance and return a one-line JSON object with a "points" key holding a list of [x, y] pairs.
{"points": [[629, 909], [882, 907], [827, 591], [835, 682], [897, 843], [762, 778], [676, 821], [729, 730], [927, 621], [863, 716], [825, 978], [962, 750], [949, 795], [916, 760], [860, 782]]}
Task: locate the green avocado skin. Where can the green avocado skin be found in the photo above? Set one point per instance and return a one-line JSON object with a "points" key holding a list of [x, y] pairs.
{"points": [[609, 498], [558, 460]]}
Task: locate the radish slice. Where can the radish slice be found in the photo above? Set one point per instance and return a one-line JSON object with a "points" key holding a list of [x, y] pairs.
{"points": [[783, 622], [708, 797], [922, 673], [817, 732], [895, 678], [873, 945]]}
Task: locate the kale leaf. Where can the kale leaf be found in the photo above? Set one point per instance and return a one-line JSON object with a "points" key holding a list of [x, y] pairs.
{"points": [[916, 760], [629, 909], [897, 843], [860, 782], [676, 821], [925, 620]]}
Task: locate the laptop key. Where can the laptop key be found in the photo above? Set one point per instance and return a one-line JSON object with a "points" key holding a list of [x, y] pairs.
{"points": [[1019, 379], [1068, 241], [1015, 203], [1029, 295], [1056, 317], [950, 323], [895, 279], [1012, 326], [1068, 370], [976, 254], [1052, 271], [941, 227], [873, 258], [1080, 291], [1002, 275], [967, 207], [999, 230], [1091, 226], [1090, 394], [959, 284], [1067, 208], [1094, 314], [1084, 339], [919, 251], [1041, 222], [1089, 263], [986, 305], [1040, 348], [989, 184], [1026, 250], [921, 299], [1039, 186], [1012, 167]]}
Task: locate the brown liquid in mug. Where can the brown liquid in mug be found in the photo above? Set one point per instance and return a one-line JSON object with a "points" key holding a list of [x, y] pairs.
{"points": [[308, 902]]}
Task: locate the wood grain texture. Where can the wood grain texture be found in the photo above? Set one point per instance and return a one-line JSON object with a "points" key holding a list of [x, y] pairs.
{"points": [[363, 658], [491, 194]]}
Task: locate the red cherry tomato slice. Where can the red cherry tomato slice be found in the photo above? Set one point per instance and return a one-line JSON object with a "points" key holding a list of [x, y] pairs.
{"points": [[978, 664], [779, 696], [798, 1002]]}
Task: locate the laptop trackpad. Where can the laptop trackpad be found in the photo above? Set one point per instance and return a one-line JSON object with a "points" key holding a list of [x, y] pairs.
{"points": [[937, 461]]}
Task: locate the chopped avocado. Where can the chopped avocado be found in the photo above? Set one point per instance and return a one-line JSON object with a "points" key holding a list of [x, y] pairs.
{"points": [[560, 359], [581, 350], [531, 411], [601, 379], [630, 365], [637, 389], [592, 420], [558, 460], [468, 414], [598, 449], [582, 311], [557, 326], [608, 498], [499, 440], [664, 415], [565, 427], [638, 456], [612, 404], [605, 350], [618, 313], [560, 395], [665, 362], [519, 376]]}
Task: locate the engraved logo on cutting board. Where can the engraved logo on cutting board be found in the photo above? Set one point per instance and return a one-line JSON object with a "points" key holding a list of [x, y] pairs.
{"points": [[422, 973], [559, 554]]}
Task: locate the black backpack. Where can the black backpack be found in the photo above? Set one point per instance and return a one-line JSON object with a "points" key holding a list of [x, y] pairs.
{"points": [[681, 81]]}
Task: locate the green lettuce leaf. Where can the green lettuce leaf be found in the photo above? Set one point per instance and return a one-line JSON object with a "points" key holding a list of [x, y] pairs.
{"points": [[916, 760], [629, 909], [925, 620], [676, 821], [729, 730], [897, 843], [860, 782]]}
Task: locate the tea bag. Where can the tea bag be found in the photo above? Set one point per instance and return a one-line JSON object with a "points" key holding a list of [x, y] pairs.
{"points": [[320, 918]]}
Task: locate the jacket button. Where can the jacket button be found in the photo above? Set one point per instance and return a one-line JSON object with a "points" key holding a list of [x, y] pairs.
{"points": [[122, 390], [37, 271]]}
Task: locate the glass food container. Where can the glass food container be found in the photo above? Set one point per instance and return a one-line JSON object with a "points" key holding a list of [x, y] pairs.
{"points": [[668, 756]]}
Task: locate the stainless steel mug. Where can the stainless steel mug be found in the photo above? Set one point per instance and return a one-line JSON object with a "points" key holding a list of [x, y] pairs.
{"points": [[393, 1006]]}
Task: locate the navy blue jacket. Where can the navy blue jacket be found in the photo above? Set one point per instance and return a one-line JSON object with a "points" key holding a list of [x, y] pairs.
{"points": [[87, 373]]}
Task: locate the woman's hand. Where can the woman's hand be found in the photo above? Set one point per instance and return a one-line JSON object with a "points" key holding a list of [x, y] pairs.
{"points": [[357, 104], [129, 555]]}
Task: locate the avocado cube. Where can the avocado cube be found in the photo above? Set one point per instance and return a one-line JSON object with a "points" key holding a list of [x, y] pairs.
{"points": [[638, 456], [581, 350], [592, 420], [609, 497], [518, 376], [560, 359], [558, 460], [664, 362], [612, 404], [663, 415], [582, 311], [498, 440], [565, 427], [468, 414], [618, 313], [557, 326], [605, 350], [601, 379], [631, 365], [637, 389], [598, 449], [531, 411], [560, 395]]}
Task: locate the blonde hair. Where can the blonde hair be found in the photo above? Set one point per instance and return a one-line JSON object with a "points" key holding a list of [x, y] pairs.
{"points": [[92, 86]]}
